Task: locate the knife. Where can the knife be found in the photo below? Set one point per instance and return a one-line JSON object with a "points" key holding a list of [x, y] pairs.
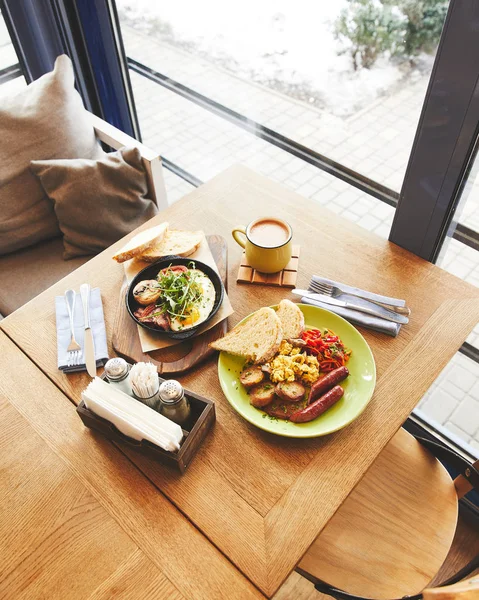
{"points": [[384, 314], [89, 348]]}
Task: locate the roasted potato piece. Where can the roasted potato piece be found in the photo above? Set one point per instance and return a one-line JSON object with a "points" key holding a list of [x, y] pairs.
{"points": [[251, 376], [290, 391], [261, 394]]}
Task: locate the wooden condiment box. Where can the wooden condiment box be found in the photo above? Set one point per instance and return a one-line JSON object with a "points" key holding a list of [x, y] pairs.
{"points": [[202, 417]]}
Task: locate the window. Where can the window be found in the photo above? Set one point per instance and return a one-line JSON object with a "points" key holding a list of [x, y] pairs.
{"points": [[345, 79], [11, 79], [452, 402]]}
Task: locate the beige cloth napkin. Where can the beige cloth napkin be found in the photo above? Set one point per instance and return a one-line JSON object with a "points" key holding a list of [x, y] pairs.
{"points": [[151, 341]]}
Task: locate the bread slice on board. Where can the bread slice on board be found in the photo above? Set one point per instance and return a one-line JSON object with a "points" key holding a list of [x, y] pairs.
{"points": [[292, 319], [176, 241], [141, 242], [257, 339]]}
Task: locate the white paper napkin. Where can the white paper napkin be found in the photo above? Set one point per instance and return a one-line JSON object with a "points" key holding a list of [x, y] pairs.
{"points": [[131, 417]]}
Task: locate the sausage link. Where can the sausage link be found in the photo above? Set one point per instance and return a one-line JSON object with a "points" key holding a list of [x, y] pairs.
{"points": [[327, 382], [317, 408]]}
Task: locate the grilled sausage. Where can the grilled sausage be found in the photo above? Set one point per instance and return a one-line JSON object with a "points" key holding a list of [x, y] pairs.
{"points": [[317, 408], [262, 394], [327, 382], [290, 391], [251, 376]]}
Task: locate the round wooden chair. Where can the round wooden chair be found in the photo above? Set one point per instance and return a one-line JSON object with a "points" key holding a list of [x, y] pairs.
{"points": [[392, 534], [464, 590]]}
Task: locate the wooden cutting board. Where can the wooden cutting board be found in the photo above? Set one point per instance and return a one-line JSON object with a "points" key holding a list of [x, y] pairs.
{"points": [[184, 356]]}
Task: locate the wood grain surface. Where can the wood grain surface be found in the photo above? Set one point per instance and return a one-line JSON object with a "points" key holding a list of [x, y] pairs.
{"points": [[136, 578], [272, 496], [52, 530], [126, 342], [298, 588], [393, 532], [74, 509]]}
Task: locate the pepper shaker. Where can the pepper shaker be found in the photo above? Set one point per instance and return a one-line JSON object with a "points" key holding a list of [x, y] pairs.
{"points": [[174, 404]]}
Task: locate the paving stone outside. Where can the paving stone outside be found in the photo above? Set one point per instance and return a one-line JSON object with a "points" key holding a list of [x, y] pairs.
{"points": [[453, 400]]}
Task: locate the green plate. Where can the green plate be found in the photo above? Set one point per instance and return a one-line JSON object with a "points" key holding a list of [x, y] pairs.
{"points": [[358, 387]]}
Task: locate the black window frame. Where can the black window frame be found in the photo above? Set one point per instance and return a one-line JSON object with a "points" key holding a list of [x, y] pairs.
{"points": [[445, 143]]}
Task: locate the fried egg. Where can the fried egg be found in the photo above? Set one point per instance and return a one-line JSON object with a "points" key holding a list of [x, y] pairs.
{"points": [[200, 311]]}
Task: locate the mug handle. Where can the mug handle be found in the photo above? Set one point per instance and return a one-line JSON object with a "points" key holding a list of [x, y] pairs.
{"points": [[236, 233]]}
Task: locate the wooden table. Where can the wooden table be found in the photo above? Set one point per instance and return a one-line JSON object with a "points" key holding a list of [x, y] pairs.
{"points": [[78, 520], [262, 499]]}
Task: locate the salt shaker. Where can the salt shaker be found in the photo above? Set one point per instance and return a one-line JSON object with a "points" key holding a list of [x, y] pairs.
{"points": [[117, 372], [174, 404]]}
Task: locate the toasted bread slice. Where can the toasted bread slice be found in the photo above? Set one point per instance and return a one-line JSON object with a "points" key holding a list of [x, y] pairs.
{"points": [[257, 339], [292, 319], [176, 241], [141, 242]]}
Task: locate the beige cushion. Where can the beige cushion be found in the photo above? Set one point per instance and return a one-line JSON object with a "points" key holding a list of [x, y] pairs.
{"points": [[96, 202], [45, 120], [28, 272]]}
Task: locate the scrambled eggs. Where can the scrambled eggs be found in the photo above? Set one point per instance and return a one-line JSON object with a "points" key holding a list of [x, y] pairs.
{"points": [[290, 364]]}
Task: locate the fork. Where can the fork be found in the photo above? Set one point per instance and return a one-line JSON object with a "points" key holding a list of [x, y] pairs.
{"points": [[331, 290], [74, 349]]}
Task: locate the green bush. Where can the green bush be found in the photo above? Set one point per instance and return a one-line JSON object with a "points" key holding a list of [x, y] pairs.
{"points": [[401, 27], [372, 29], [423, 24]]}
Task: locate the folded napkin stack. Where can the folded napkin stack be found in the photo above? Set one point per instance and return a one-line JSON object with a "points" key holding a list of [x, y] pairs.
{"points": [[97, 322], [354, 316], [132, 418]]}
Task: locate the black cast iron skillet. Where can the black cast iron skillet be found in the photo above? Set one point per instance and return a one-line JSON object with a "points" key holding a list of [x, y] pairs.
{"points": [[152, 271]]}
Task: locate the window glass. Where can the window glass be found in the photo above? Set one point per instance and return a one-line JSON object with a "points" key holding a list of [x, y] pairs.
{"points": [[204, 145], [176, 187], [468, 210], [8, 58], [345, 78], [453, 400]]}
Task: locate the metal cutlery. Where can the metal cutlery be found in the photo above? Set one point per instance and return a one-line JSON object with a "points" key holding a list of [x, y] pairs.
{"points": [[334, 291], [385, 314], [89, 348], [74, 353]]}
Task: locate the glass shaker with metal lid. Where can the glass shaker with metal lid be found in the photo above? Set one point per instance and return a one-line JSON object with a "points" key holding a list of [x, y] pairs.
{"points": [[174, 404], [117, 371]]}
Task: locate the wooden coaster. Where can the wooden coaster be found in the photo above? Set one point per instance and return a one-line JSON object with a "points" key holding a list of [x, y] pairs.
{"points": [[285, 278]]}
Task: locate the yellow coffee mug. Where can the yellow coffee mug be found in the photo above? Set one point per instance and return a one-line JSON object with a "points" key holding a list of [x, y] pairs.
{"points": [[267, 243]]}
